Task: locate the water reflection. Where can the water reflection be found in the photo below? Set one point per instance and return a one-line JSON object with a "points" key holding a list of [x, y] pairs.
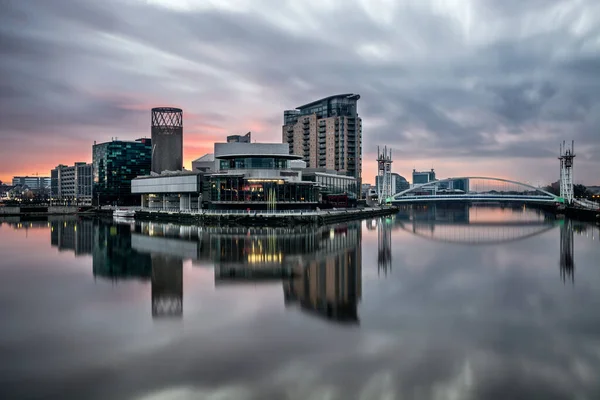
{"points": [[320, 269], [454, 320]]}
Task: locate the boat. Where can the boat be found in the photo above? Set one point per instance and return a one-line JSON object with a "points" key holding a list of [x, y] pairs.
{"points": [[123, 213]]}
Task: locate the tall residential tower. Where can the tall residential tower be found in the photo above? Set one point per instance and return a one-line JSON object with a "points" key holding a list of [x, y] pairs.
{"points": [[327, 133]]}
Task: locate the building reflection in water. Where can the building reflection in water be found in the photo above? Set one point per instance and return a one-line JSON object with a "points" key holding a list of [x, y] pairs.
{"points": [[328, 282], [567, 251], [384, 245], [319, 267], [114, 258], [167, 286]]}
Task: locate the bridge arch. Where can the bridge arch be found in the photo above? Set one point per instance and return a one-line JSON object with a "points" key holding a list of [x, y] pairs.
{"points": [[493, 236], [414, 188]]}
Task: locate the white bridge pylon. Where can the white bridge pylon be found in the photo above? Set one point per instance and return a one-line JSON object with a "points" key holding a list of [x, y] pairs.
{"points": [[404, 196]]}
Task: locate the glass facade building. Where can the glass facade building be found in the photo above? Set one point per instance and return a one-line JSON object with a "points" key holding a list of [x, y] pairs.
{"points": [[115, 164], [423, 177], [257, 192], [332, 183], [32, 182], [258, 176]]}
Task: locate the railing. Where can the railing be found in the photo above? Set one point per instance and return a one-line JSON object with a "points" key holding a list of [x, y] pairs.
{"points": [[475, 197], [332, 211]]}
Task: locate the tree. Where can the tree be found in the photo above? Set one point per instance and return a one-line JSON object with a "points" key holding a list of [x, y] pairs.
{"points": [[580, 191], [552, 190]]}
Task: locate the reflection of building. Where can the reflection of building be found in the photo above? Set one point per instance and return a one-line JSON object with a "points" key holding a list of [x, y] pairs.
{"points": [[72, 183], [320, 267], [329, 284], [115, 164], [567, 251], [114, 257], [73, 235], [384, 245], [327, 133], [167, 286]]}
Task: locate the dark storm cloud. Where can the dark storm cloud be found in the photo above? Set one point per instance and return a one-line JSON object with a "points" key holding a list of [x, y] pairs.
{"points": [[434, 78]]}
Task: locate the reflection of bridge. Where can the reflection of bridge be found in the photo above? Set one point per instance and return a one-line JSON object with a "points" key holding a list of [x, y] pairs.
{"points": [[455, 226], [474, 189]]}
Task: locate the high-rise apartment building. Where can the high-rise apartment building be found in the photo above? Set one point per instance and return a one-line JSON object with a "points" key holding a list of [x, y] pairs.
{"points": [[115, 164], [72, 183], [327, 133]]}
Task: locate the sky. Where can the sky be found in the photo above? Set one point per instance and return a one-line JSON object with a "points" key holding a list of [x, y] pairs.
{"points": [[468, 87]]}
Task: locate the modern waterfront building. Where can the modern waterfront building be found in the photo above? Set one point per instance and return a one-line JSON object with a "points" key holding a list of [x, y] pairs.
{"points": [[327, 133], [244, 176], [115, 164], [32, 182], [72, 184], [423, 177], [331, 183], [167, 139], [399, 183]]}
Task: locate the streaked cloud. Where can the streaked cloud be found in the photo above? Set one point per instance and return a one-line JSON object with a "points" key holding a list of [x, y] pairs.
{"points": [[457, 85]]}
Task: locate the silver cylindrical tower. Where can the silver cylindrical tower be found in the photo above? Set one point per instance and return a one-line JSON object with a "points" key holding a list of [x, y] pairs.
{"points": [[167, 139]]}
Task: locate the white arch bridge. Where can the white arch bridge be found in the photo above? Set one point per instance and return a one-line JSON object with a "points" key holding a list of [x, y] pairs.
{"points": [[475, 189]]}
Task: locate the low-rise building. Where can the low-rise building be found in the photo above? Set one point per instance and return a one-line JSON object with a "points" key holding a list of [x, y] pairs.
{"points": [[32, 182]]}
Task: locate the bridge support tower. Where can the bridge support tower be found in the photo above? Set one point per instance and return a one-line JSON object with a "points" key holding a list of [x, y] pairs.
{"points": [[384, 174], [567, 154]]}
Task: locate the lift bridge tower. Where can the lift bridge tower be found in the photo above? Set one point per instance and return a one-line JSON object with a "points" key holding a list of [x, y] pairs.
{"points": [[567, 154], [384, 174]]}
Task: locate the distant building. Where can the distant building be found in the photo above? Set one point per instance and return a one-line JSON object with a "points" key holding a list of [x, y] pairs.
{"points": [[205, 163], [423, 177], [247, 138], [32, 182], [399, 183], [72, 183], [327, 133], [115, 164], [364, 190]]}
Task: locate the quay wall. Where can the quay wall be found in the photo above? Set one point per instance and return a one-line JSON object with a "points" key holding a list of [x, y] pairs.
{"points": [[265, 219]]}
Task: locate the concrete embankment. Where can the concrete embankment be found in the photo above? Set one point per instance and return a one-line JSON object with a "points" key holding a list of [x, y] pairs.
{"points": [[43, 210], [266, 219], [578, 214]]}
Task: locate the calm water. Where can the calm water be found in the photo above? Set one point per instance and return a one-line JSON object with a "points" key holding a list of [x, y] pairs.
{"points": [[463, 303]]}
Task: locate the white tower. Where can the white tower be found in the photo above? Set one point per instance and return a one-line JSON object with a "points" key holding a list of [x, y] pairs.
{"points": [[384, 174], [566, 172]]}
